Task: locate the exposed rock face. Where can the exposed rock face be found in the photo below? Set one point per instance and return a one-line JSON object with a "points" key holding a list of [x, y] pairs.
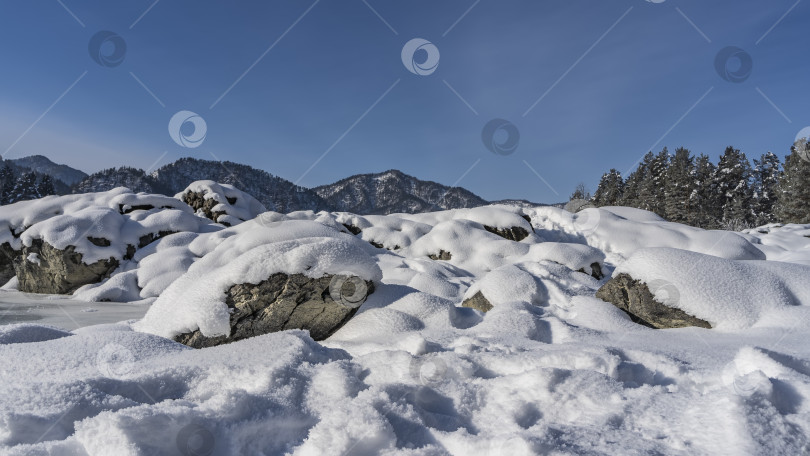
{"points": [[635, 299], [198, 202], [352, 229], [596, 271], [478, 302], [42, 268], [284, 302], [7, 256], [514, 233], [442, 255]]}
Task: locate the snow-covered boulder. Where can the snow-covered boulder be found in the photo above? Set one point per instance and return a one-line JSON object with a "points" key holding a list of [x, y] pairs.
{"points": [[259, 279], [726, 294], [221, 203]]}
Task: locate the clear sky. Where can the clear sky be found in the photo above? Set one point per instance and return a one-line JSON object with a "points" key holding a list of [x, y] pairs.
{"points": [[588, 84]]}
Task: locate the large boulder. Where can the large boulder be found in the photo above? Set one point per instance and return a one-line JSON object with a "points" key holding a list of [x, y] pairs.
{"points": [[635, 298], [221, 203], [285, 302], [514, 233], [478, 302], [42, 268], [7, 256]]}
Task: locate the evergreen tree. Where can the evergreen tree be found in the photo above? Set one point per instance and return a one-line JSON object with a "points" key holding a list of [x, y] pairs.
{"points": [[610, 189], [25, 188], [651, 192], [733, 183], [633, 185], [7, 181], [793, 190], [705, 198], [45, 187], [678, 186], [766, 176]]}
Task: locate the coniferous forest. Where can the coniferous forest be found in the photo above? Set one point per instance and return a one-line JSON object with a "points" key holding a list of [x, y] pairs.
{"points": [[733, 193]]}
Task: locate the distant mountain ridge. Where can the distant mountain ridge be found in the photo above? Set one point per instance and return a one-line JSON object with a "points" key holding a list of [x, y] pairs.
{"points": [[387, 192], [393, 191]]}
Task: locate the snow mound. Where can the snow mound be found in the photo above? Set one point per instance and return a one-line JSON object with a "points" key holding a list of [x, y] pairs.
{"points": [[728, 294], [197, 299], [228, 205]]}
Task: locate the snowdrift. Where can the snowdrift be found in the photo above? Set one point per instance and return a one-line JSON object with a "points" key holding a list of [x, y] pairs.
{"points": [[548, 369]]}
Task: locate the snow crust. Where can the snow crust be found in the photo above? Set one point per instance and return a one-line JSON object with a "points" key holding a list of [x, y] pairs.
{"points": [[244, 206]]}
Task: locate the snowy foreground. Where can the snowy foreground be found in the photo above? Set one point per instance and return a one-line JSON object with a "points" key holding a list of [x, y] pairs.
{"points": [[549, 370]]}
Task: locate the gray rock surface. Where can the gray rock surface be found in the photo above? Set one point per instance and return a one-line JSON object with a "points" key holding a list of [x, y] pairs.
{"points": [[596, 271], [478, 302], [7, 256], [198, 202], [57, 271], [442, 255], [285, 302], [635, 299], [514, 233]]}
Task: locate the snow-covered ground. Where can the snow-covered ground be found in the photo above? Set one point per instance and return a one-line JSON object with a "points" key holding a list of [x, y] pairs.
{"points": [[549, 370]]}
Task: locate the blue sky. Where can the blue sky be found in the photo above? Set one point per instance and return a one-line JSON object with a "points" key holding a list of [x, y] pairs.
{"points": [[616, 79]]}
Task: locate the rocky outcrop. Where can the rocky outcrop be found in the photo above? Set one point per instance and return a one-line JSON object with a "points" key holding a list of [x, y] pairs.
{"points": [[442, 255], [635, 299], [7, 256], [285, 302], [198, 202], [478, 302], [596, 271], [514, 233], [42, 268]]}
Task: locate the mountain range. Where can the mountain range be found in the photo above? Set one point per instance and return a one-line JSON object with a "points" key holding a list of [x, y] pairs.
{"points": [[388, 192]]}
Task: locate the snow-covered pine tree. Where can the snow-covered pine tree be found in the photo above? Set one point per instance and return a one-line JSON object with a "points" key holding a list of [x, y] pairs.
{"points": [[766, 176], [633, 184], [705, 197], [45, 186], [733, 183], [7, 181], [25, 188], [652, 188], [678, 186], [610, 189], [793, 190]]}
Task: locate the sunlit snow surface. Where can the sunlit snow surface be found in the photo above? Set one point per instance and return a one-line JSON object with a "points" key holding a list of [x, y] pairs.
{"points": [[549, 370]]}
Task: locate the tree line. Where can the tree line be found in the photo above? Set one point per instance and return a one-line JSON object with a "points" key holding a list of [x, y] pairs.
{"points": [[23, 185], [732, 194]]}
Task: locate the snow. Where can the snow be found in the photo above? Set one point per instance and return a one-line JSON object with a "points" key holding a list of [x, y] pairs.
{"points": [[243, 206], [549, 370]]}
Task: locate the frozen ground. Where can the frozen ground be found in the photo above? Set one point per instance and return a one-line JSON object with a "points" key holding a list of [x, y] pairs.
{"points": [[65, 313], [549, 370]]}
